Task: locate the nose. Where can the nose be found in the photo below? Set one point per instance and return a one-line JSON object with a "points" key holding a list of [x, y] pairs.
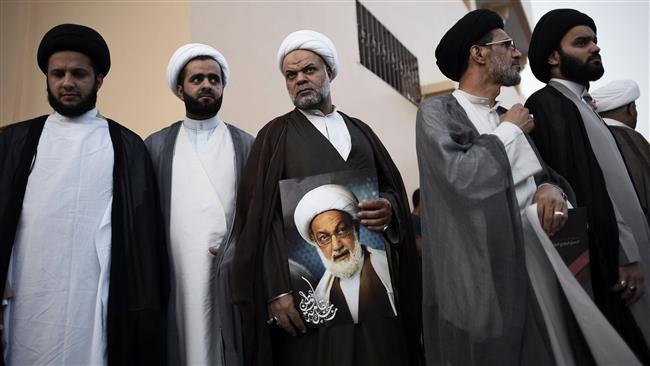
{"points": [[336, 244], [300, 78], [595, 48], [68, 81]]}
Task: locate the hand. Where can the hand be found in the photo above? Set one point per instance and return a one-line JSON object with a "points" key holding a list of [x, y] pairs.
{"points": [[550, 203], [630, 283], [376, 214], [288, 317], [520, 117], [214, 250]]}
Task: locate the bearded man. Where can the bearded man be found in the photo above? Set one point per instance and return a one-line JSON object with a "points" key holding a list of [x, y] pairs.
{"points": [[198, 162], [326, 217], [573, 139], [490, 296], [80, 240], [316, 138]]}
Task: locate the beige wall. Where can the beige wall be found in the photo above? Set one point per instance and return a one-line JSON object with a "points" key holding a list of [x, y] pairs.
{"points": [[141, 37]]}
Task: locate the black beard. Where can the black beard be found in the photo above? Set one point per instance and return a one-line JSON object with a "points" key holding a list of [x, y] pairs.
{"points": [[198, 109], [580, 72], [76, 110]]}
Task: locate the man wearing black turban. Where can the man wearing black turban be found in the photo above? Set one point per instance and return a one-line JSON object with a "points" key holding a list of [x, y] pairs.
{"points": [[486, 282], [80, 240], [575, 142]]}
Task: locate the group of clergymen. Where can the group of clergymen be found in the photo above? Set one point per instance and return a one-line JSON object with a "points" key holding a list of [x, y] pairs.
{"points": [[115, 251]]}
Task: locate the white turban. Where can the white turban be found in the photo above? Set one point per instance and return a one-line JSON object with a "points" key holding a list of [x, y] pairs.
{"points": [[189, 51], [311, 41], [615, 94], [318, 200]]}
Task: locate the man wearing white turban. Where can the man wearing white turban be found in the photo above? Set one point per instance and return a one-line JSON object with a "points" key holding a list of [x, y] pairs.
{"points": [[326, 218], [316, 138], [198, 162], [615, 102]]}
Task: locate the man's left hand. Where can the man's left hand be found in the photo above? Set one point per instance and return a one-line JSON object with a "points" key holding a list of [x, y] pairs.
{"points": [[551, 208], [376, 215]]}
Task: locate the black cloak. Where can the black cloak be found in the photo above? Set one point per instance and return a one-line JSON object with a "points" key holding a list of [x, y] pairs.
{"points": [[139, 283], [257, 202]]}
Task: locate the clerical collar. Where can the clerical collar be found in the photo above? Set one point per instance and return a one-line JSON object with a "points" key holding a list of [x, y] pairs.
{"points": [[615, 123], [576, 88], [88, 116], [318, 112], [203, 124], [478, 100]]}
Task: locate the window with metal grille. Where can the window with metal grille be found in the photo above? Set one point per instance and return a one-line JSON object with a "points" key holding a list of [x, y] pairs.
{"points": [[386, 56]]}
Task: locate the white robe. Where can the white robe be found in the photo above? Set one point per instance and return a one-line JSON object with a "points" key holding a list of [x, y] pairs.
{"points": [[202, 206], [60, 263], [350, 286]]}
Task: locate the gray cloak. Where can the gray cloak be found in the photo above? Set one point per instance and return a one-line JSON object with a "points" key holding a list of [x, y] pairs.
{"points": [[226, 323], [478, 304]]}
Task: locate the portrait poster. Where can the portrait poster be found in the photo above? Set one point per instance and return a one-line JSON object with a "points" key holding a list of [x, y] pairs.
{"points": [[338, 268]]}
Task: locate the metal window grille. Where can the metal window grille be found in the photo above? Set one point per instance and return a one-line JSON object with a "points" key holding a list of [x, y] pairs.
{"points": [[386, 56]]}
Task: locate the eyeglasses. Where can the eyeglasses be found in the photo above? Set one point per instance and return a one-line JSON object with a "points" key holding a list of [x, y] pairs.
{"points": [[325, 239], [509, 43]]}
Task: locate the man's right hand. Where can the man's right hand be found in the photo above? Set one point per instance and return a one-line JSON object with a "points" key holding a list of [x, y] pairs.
{"points": [[286, 314], [520, 117]]}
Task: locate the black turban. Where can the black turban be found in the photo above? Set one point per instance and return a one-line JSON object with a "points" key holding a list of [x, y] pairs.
{"points": [[453, 51], [547, 35], [74, 37]]}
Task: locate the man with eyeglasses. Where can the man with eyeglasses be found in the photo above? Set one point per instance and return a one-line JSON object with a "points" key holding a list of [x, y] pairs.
{"points": [[576, 142], [356, 279], [489, 294]]}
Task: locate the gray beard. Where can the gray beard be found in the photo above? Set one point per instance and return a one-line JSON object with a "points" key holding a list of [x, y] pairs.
{"points": [[314, 101], [347, 268], [505, 75]]}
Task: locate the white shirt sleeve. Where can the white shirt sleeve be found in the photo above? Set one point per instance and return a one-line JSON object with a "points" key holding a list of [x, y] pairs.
{"points": [[521, 156]]}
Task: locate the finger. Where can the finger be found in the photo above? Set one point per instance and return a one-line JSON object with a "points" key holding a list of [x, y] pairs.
{"points": [[373, 204], [373, 214], [214, 250], [620, 285], [547, 218], [295, 318], [635, 294], [284, 323], [377, 229], [377, 222]]}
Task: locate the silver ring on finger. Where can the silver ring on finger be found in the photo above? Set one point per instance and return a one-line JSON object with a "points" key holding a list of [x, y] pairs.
{"points": [[631, 288], [623, 283], [272, 320], [558, 213]]}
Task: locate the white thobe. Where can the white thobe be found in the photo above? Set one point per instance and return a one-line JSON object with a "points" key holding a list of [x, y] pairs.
{"points": [[202, 208], [333, 127], [60, 262]]}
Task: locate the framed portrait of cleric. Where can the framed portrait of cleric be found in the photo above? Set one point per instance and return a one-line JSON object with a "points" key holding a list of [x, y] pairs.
{"points": [[338, 268]]}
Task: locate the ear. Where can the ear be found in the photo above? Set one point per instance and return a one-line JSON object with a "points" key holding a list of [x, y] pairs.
{"points": [[554, 58], [179, 92], [329, 72], [631, 107], [477, 54], [100, 80]]}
